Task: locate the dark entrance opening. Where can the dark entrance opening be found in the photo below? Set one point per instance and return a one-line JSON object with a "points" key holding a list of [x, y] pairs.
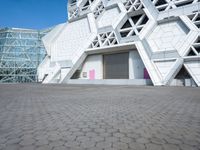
{"points": [[184, 78], [116, 66], [183, 74]]}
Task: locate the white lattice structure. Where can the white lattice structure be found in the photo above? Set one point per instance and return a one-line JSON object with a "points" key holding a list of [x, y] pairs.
{"points": [[160, 40]]}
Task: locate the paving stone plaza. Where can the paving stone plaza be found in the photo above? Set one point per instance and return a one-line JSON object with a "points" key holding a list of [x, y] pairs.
{"points": [[69, 117]]}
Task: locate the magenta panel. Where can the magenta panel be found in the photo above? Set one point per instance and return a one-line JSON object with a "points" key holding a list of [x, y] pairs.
{"points": [[92, 74], [146, 74]]}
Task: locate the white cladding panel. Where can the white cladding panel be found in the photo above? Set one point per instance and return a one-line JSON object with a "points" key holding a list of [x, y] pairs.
{"points": [[164, 67], [109, 17], [49, 38], [136, 65], [93, 66], [165, 35], [73, 40], [194, 70]]}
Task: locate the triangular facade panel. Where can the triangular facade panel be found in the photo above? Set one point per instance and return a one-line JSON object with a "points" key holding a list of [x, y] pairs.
{"points": [[163, 33]]}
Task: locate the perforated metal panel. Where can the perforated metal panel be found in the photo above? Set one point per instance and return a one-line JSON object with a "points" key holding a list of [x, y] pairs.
{"points": [[116, 66]]}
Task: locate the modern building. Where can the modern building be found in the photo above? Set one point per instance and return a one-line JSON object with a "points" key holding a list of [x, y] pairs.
{"points": [[125, 42], [21, 51]]}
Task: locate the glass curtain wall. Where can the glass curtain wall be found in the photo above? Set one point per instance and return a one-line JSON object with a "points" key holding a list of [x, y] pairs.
{"points": [[21, 51]]}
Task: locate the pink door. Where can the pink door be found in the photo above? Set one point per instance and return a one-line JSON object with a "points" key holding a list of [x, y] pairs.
{"points": [[146, 74], [92, 74]]}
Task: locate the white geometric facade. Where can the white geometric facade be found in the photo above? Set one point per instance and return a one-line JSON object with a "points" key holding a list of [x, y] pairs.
{"points": [[125, 42]]}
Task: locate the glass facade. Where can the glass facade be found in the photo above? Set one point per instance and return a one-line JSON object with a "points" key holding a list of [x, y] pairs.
{"points": [[21, 51]]}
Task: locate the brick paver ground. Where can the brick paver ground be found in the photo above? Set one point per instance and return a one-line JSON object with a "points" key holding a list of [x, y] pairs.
{"points": [[66, 117]]}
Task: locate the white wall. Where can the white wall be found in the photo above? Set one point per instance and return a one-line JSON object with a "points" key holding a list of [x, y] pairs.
{"points": [[168, 36], [109, 17], [72, 41], [64, 72], [93, 62], [193, 67], [44, 68], [136, 66]]}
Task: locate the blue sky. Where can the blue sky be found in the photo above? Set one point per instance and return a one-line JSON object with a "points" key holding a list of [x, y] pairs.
{"points": [[32, 14]]}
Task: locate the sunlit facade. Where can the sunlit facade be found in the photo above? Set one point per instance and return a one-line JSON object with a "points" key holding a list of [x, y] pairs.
{"points": [[136, 42], [21, 51]]}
